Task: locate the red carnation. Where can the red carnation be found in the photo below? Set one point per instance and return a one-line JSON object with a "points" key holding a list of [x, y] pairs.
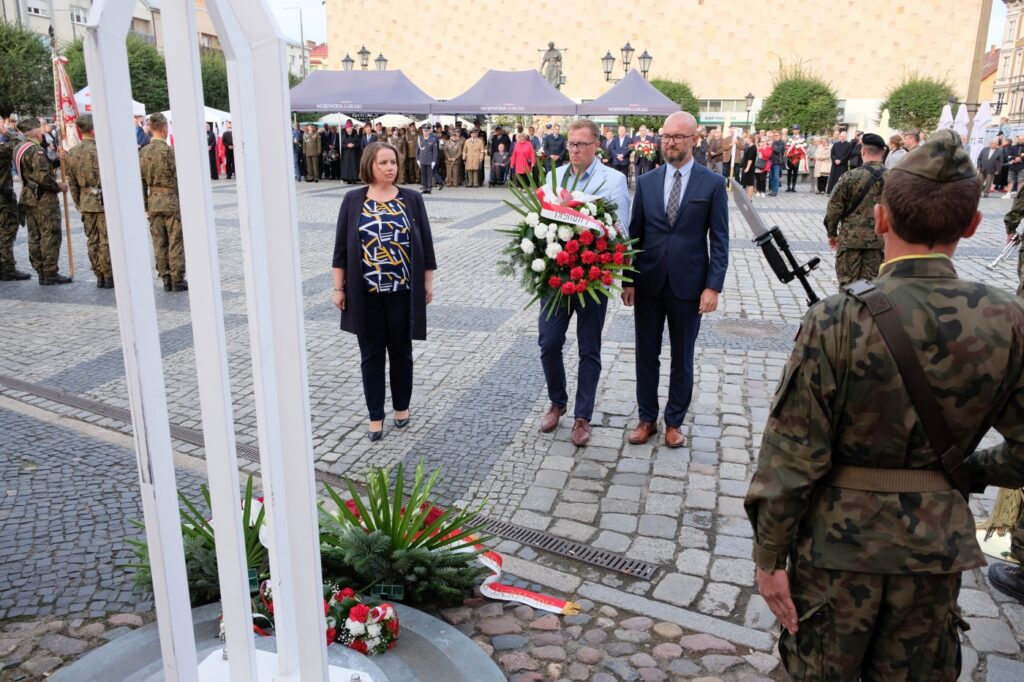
{"points": [[331, 634], [606, 278], [619, 258], [359, 645], [573, 258], [347, 592], [327, 607], [588, 257], [576, 273], [606, 258], [619, 248], [359, 612], [563, 258], [392, 626], [586, 237], [555, 281], [581, 287], [602, 244], [572, 246], [595, 272], [568, 288]]}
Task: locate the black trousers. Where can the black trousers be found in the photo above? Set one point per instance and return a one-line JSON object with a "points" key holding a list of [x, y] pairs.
{"points": [[822, 182], [649, 317], [792, 170], [426, 176], [229, 162], [387, 337], [214, 171]]}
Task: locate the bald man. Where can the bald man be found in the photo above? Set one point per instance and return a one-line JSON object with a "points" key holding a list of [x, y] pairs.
{"points": [[680, 219]]}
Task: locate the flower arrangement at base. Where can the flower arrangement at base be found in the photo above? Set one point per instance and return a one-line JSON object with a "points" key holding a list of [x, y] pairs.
{"points": [[645, 150], [568, 245], [370, 630]]}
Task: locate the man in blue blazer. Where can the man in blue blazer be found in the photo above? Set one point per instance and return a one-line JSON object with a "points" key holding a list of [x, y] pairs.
{"points": [[620, 151], [680, 218]]}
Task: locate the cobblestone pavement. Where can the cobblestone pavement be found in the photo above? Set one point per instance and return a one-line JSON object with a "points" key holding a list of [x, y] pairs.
{"points": [[479, 393]]}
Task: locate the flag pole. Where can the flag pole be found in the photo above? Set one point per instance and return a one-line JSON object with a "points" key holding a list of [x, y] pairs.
{"points": [[58, 115]]}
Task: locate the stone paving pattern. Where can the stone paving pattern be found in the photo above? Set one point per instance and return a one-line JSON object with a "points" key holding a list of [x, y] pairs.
{"points": [[479, 393]]}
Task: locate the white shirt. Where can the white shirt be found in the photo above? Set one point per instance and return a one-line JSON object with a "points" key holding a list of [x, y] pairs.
{"points": [[684, 173], [612, 186]]}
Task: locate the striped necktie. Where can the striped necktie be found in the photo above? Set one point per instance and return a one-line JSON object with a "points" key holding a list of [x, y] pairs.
{"points": [[673, 197]]}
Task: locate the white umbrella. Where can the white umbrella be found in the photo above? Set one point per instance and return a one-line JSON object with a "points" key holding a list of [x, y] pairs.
{"points": [[339, 120], [210, 115], [392, 121], [960, 122], [946, 119], [883, 126], [981, 120], [83, 100]]}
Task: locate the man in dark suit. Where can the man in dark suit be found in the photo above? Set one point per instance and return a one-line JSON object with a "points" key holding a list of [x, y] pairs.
{"points": [[427, 153], [841, 152], [227, 137], [620, 151], [554, 148], [644, 165], [211, 150], [680, 220]]}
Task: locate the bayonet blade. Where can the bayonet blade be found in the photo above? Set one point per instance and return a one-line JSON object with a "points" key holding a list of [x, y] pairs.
{"points": [[739, 194]]}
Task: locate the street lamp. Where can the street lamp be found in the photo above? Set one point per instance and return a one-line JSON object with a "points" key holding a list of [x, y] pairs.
{"points": [[381, 62], [364, 57], [347, 63], [627, 56], [750, 105], [608, 63], [302, 39], [645, 63]]}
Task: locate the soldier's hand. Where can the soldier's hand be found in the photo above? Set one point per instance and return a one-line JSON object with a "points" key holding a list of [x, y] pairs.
{"points": [[1010, 236], [64, 187], [339, 300], [833, 243], [628, 296], [774, 587]]}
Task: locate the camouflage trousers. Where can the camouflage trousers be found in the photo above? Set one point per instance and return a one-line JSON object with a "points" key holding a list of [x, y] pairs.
{"points": [[854, 264], [8, 233], [44, 237], [168, 245], [96, 240], [875, 627], [1020, 273]]}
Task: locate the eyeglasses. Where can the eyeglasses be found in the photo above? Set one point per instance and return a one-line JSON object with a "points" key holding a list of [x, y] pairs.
{"points": [[675, 139], [580, 145]]}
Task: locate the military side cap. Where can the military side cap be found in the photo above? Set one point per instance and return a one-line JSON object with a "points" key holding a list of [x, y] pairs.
{"points": [[28, 124], [941, 159], [873, 140], [157, 119], [84, 123]]}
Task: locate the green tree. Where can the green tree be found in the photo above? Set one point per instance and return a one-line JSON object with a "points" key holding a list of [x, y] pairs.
{"points": [[146, 71], [916, 102], [26, 79], [215, 79], [679, 92], [800, 98]]}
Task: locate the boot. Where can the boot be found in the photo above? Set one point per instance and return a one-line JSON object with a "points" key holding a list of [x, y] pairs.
{"points": [[108, 281], [167, 283], [55, 278], [179, 286], [13, 275], [100, 282]]}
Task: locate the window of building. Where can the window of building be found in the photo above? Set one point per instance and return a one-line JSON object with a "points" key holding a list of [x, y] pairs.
{"points": [[79, 15], [38, 8], [1006, 66], [1011, 30]]}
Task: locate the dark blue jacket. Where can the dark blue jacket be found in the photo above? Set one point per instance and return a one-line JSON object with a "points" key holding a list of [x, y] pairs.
{"points": [[693, 253], [620, 147]]}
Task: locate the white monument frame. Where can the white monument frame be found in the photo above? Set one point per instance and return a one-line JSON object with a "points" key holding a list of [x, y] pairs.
{"points": [[256, 56]]}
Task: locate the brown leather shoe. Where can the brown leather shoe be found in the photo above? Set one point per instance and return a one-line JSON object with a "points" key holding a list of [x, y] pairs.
{"points": [[674, 437], [549, 422], [642, 432], [580, 432]]}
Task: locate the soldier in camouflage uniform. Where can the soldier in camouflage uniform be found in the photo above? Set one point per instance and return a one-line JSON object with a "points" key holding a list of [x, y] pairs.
{"points": [[1011, 220], [875, 576], [9, 141], [42, 208], [858, 248], [160, 190], [82, 167]]}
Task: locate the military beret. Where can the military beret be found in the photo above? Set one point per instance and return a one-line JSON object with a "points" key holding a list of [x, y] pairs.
{"points": [[28, 124], [84, 123], [941, 159], [157, 119], [873, 140]]}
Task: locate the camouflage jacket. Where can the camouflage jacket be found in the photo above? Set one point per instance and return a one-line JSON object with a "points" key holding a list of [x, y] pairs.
{"points": [[1012, 219], [858, 228], [453, 150], [842, 400], [159, 177], [82, 167], [40, 184], [7, 148]]}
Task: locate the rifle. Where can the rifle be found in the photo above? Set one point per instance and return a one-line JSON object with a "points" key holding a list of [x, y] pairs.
{"points": [[772, 241], [1011, 246]]}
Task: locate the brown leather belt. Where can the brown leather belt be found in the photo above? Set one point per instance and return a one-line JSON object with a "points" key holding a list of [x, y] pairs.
{"points": [[888, 480]]}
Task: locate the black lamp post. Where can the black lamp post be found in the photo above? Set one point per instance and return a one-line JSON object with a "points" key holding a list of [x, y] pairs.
{"points": [[627, 56], [608, 63], [364, 57], [750, 106], [347, 63], [381, 62], [645, 63]]}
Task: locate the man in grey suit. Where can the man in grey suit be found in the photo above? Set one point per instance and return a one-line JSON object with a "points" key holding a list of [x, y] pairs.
{"points": [[426, 157]]}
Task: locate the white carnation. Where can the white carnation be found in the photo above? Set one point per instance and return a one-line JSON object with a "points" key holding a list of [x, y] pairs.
{"points": [[355, 627], [565, 233], [532, 219], [541, 231], [591, 209], [373, 643], [373, 629], [552, 227], [527, 246], [584, 210], [553, 250], [607, 218], [538, 265]]}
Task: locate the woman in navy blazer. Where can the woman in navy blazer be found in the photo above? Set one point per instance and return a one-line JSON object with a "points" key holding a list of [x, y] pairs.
{"points": [[680, 271]]}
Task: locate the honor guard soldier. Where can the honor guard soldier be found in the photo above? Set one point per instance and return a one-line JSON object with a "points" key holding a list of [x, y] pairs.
{"points": [[10, 140], [850, 219], [869, 453], [160, 191], [82, 167], [311, 148], [40, 204], [1011, 220]]}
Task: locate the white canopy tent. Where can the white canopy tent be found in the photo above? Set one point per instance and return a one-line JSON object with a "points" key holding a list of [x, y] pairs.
{"points": [[339, 120], [210, 115], [392, 121], [445, 120], [83, 100]]}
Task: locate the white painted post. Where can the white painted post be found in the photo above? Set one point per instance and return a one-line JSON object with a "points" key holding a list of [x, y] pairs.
{"points": [[184, 80], [258, 86], [107, 65]]}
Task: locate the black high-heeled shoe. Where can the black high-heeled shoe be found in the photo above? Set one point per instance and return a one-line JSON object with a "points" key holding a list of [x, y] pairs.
{"points": [[374, 436], [402, 423]]}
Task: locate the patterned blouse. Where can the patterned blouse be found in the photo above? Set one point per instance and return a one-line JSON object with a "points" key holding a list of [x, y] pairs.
{"points": [[384, 237]]}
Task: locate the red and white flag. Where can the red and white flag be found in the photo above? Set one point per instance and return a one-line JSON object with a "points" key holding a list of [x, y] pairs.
{"points": [[64, 100]]}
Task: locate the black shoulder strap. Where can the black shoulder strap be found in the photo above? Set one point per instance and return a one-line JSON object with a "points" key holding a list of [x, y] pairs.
{"points": [[927, 408], [876, 176]]}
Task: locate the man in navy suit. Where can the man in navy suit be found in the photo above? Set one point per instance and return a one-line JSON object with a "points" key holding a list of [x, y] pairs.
{"points": [[680, 218], [645, 165], [620, 151]]}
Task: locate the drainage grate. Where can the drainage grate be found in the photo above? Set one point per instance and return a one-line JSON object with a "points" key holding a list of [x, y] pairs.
{"points": [[634, 568], [749, 329]]}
